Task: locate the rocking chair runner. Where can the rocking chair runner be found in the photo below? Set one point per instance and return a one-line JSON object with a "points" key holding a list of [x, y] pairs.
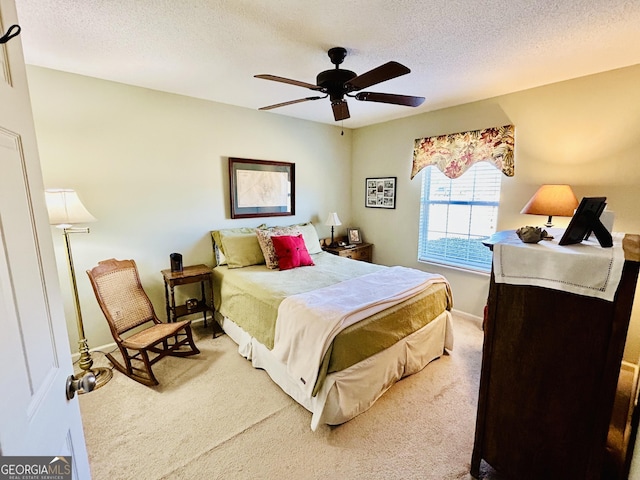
{"points": [[126, 306]]}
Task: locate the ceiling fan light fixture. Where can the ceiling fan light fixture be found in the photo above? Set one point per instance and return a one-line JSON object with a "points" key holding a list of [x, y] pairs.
{"points": [[337, 82]]}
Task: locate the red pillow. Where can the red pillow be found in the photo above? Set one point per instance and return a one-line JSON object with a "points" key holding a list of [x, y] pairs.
{"points": [[291, 252]]}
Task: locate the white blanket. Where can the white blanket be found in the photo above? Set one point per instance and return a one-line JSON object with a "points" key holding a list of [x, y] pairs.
{"points": [[307, 323]]}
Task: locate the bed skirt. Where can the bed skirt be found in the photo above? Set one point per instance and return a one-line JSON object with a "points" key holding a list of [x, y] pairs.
{"points": [[349, 392]]}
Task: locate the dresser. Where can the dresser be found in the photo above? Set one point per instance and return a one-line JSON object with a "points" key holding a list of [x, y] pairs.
{"points": [[550, 364]]}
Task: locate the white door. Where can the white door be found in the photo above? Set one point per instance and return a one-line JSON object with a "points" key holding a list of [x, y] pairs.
{"points": [[35, 416]]}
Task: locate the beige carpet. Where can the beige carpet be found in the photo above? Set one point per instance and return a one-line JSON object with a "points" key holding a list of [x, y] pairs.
{"points": [[216, 417]]}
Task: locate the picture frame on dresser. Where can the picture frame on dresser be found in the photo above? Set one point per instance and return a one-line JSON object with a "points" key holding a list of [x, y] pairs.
{"points": [[380, 192], [586, 220], [354, 237], [261, 188]]}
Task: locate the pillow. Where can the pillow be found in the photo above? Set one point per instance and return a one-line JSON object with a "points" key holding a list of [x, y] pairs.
{"points": [[291, 251], [264, 239], [310, 235], [241, 249], [218, 255], [218, 248]]}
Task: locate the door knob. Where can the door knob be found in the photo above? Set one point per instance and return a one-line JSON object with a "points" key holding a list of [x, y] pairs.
{"points": [[84, 384]]}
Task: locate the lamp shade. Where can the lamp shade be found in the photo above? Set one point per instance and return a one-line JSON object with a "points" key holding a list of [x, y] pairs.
{"points": [[65, 208], [333, 220], [552, 200]]}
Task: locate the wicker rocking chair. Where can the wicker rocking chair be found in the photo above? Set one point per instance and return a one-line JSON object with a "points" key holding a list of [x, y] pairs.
{"points": [[126, 306]]}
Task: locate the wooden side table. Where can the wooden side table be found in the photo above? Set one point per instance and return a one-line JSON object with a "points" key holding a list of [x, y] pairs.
{"points": [[191, 274], [362, 251]]}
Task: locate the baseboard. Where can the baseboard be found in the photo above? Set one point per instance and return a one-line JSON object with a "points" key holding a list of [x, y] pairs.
{"points": [[108, 347], [468, 316]]}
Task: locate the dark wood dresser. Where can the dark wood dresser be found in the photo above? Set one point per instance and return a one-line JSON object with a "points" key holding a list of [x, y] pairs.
{"points": [[550, 367]]}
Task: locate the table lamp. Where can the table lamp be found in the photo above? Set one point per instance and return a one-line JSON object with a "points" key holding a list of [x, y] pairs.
{"points": [[333, 221], [552, 200], [65, 210]]}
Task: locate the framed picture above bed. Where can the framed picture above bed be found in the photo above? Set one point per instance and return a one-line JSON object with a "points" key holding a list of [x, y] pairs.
{"points": [[260, 188], [380, 192]]}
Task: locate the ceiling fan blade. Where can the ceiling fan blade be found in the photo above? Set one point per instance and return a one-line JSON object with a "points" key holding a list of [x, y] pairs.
{"points": [[291, 102], [340, 110], [289, 81], [407, 100], [377, 75]]}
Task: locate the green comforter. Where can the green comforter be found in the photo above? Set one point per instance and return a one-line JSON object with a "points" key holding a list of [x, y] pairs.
{"points": [[250, 297]]}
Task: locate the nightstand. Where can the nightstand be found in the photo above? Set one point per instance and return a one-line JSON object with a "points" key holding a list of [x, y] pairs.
{"points": [[192, 274], [361, 251]]}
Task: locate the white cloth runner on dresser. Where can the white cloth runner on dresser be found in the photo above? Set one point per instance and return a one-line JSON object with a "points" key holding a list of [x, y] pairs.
{"points": [[308, 322], [584, 268]]}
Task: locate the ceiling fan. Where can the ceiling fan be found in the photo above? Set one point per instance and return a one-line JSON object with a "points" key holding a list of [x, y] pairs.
{"points": [[338, 83]]}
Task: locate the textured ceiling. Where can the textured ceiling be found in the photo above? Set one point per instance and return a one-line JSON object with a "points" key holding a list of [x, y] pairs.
{"points": [[458, 50]]}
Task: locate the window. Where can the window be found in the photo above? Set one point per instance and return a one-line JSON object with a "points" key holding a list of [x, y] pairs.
{"points": [[457, 214]]}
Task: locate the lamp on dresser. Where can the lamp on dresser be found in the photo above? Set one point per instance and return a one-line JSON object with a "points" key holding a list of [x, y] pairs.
{"points": [[65, 210], [333, 221], [552, 200]]}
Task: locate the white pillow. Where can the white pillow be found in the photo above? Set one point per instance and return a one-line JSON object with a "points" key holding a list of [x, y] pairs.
{"points": [[310, 236]]}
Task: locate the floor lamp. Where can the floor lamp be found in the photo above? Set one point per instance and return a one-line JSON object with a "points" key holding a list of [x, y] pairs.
{"points": [[65, 210]]}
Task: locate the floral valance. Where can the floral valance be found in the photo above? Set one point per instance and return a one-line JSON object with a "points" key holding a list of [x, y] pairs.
{"points": [[454, 154]]}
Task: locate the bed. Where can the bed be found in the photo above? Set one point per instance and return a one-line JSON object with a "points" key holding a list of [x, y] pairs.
{"points": [[361, 359]]}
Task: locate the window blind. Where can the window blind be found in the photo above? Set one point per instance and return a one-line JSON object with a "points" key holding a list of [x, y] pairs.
{"points": [[457, 214]]}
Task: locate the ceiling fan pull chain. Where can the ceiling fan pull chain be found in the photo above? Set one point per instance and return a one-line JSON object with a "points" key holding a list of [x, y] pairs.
{"points": [[14, 31]]}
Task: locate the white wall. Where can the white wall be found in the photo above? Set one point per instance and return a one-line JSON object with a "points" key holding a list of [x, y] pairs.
{"points": [[584, 132], [152, 168]]}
